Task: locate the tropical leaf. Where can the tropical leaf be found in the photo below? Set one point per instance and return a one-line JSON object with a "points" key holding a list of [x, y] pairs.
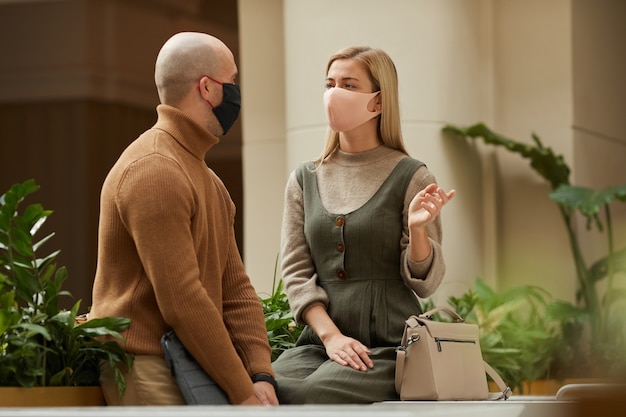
{"points": [[588, 201], [600, 268], [543, 160]]}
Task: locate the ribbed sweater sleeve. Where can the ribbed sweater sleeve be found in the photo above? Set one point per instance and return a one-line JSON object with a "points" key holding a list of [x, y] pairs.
{"points": [[243, 316]]}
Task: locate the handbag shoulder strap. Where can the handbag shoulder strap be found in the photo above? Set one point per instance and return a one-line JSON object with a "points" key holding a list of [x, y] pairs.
{"points": [[455, 316], [400, 353], [411, 322], [505, 390]]}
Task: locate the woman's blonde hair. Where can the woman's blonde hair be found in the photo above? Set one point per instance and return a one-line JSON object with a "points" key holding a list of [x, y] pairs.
{"points": [[384, 78]]}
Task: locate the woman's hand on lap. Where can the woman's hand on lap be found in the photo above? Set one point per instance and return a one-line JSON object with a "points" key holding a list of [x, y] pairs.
{"points": [[347, 351]]}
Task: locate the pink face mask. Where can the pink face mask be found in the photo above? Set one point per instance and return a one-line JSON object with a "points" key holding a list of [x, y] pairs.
{"points": [[346, 109]]}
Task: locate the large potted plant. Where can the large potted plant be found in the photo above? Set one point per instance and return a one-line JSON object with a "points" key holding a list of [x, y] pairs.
{"points": [[42, 344], [593, 329]]}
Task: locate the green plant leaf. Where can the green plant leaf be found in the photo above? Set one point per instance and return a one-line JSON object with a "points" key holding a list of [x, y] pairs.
{"points": [[543, 160], [34, 329], [600, 269], [20, 241], [42, 241], [60, 378], [562, 311], [105, 326], [587, 200]]}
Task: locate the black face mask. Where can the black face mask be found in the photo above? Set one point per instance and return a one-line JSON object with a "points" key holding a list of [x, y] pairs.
{"points": [[227, 112]]}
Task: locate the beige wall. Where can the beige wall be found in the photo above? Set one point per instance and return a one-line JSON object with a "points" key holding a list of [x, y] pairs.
{"points": [[508, 63]]}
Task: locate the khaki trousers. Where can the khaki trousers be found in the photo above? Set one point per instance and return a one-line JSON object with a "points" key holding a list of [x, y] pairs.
{"points": [[149, 382]]}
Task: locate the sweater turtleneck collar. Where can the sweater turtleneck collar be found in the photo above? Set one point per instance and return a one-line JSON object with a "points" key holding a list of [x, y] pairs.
{"points": [[361, 158], [185, 131]]}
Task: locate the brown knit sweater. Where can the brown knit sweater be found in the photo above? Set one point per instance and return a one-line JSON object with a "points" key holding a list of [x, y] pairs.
{"points": [[167, 256]]}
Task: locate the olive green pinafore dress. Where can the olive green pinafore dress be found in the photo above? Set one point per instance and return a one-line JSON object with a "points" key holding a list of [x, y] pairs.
{"points": [[357, 259]]}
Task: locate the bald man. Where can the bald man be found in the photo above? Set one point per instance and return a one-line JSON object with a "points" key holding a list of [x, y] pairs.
{"points": [[167, 256]]}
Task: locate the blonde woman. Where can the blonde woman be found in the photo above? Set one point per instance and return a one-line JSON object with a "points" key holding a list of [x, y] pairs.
{"points": [[361, 236]]}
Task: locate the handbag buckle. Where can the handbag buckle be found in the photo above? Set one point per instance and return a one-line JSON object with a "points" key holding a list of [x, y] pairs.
{"points": [[412, 339]]}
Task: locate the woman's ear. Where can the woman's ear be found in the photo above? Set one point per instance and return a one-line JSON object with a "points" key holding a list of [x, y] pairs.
{"points": [[375, 104], [379, 102]]}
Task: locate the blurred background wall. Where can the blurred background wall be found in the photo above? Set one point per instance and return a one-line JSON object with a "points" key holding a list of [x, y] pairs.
{"points": [[76, 87]]}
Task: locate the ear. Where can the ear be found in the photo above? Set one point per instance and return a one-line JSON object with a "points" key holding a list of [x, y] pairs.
{"points": [[378, 106], [203, 87]]}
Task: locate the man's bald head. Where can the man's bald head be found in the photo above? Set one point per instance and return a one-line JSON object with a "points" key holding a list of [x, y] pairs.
{"points": [[183, 59]]}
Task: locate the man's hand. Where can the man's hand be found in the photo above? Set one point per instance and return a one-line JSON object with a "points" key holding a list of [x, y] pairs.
{"points": [[251, 400], [265, 393]]}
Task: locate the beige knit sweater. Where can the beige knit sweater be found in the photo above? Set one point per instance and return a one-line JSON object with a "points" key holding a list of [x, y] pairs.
{"points": [[167, 256]]}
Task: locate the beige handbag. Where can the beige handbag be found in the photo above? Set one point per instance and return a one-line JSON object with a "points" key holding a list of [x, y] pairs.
{"points": [[442, 361]]}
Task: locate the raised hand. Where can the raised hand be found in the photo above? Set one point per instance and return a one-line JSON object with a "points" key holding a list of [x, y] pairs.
{"points": [[427, 204]]}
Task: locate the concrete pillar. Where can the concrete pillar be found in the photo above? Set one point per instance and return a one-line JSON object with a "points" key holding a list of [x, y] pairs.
{"points": [[599, 102], [262, 57], [532, 94]]}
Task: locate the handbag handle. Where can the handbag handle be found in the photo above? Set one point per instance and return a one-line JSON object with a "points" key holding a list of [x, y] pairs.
{"points": [[447, 310]]}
